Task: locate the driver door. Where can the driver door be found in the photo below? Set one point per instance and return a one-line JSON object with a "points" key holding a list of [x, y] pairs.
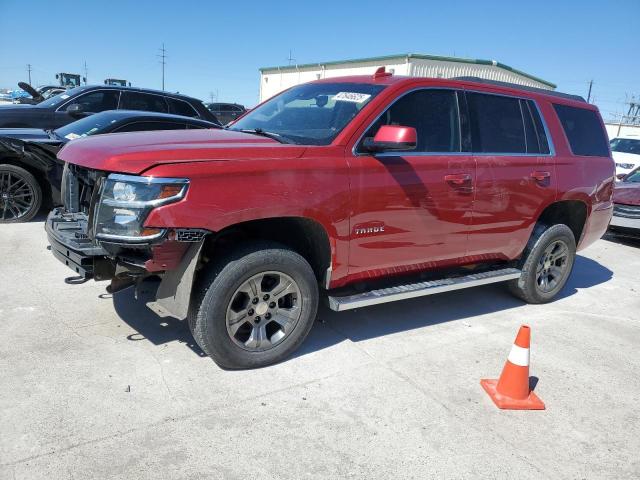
{"points": [[412, 210]]}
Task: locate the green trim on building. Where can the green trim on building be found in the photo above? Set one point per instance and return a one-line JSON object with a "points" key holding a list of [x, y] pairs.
{"points": [[407, 57]]}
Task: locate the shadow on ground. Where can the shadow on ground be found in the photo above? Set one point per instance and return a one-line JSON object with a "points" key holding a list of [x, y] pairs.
{"points": [[365, 323]]}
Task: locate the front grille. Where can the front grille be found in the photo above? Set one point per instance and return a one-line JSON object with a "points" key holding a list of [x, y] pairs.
{"points": [[78, 188], [626, 211]]}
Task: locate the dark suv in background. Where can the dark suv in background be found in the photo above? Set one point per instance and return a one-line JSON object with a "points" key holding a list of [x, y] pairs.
{"points": [[226, 112], [83, 101]]}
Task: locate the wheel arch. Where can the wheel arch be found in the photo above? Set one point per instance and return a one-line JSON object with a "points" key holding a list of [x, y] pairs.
{"points": [[304, 235], [572, 213]]}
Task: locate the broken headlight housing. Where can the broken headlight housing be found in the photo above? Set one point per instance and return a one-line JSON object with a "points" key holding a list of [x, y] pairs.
{"points": [[125, 203]]}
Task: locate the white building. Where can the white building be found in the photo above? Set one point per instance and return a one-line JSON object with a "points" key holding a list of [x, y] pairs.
{"points": [[275, 79]]}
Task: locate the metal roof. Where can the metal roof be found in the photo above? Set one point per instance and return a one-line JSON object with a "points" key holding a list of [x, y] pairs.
{"points": [[407, 57]]}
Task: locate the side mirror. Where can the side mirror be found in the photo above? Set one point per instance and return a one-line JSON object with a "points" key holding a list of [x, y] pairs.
{"points": [[392, 138], [76, 110]]}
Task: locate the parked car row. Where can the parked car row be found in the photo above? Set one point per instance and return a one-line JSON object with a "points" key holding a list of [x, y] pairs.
{"points": [[30, 173], [82, 101]]}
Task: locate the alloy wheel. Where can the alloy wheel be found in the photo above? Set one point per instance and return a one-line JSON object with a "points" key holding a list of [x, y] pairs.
{"points": [[16, 196], [263, 311], [552, 266]]}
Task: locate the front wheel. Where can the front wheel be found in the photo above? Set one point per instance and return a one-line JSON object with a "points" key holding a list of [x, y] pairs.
{"points": [[546, 264], [254, 308]]}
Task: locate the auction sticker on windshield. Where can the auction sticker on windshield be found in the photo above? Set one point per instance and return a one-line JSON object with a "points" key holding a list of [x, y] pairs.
{"points": [[351, 97]]}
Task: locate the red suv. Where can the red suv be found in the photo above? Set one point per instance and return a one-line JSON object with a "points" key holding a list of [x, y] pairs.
{"points": [[361, 189]]}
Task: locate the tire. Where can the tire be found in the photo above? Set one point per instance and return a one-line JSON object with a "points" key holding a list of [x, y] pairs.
{"points": [[236, 331], [20, 195], [543, 254]]}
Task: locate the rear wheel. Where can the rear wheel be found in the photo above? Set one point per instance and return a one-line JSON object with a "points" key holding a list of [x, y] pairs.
{"points": [[255, 307], [20, 195], [546, 264]]}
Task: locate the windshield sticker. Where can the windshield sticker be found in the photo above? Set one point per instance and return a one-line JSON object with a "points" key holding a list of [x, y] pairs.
{"points": [[352, 97], [72, 136], [64, 96]]}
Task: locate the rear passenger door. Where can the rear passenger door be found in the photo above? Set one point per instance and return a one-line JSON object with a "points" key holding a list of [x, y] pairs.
{"points": [[515, 176]]}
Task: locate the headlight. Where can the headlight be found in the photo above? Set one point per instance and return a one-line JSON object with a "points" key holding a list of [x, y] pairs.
{"points": [[125, 202]]}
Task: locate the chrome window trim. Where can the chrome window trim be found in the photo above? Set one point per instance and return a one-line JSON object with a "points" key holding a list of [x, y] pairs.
{"points": [[409, 153], [72, 100]]}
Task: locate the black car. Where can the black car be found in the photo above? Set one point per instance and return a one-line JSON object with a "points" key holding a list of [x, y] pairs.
{"points": [[226, 112], [80, 102], [30, 173]]}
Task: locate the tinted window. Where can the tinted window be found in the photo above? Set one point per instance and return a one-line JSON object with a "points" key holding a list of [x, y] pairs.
{"points": [[584, 131], [496, 124], [434, 115], [540, 131], [181, 108], [98, 101], [143, 101], [148, 126]]}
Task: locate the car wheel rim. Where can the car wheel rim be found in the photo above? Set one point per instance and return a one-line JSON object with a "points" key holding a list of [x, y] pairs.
{"points": [[552, 266], [16, 196], [264, 311]]}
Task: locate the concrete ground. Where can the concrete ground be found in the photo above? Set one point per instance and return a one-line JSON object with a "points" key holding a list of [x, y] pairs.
{"points": [[95, 387]]}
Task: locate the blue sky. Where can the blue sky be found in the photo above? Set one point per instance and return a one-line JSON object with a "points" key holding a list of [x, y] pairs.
{"points": [[219, 46]]}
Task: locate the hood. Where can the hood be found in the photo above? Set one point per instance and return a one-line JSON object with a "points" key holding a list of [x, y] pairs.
{"points": [[34, 134], [136, 152], [627, 193]]}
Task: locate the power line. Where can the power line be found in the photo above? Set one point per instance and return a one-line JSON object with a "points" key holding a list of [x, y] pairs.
{"points": [[163, 57]]}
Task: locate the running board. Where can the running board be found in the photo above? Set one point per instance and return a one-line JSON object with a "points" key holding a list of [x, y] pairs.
{"points": [[420, 289]]}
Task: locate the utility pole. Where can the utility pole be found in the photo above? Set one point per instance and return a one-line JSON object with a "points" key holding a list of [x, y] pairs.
{"points": [[291, 59], [589, 94], [86, 72], [163, 62], [29, 72]]}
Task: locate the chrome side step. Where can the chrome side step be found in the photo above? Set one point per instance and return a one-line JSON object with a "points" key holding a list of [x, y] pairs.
{"points": [[420, 289]]}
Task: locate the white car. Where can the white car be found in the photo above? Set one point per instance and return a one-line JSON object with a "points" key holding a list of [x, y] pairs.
{"points": [[626, 153]]}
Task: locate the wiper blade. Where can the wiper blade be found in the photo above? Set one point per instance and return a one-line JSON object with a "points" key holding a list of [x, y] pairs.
{"points": [[258, 131]]}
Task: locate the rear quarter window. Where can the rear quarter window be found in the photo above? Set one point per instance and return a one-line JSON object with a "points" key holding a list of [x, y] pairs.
{"points": [[583, 130]]}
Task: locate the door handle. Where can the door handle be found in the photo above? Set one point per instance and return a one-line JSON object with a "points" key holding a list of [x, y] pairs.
{"points": [[458, 178], [540, 176]]}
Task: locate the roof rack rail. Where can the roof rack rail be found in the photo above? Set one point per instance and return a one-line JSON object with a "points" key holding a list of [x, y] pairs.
{"points": [[553, 93]]}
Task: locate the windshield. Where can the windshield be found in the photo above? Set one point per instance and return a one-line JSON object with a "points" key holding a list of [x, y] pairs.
{"points": [[58, 99], [626, 145], [91, 125], [310, 114], [633, 177]]}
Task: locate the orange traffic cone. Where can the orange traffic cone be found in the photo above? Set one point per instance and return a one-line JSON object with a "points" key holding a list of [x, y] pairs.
{"points": [[511, 391]]}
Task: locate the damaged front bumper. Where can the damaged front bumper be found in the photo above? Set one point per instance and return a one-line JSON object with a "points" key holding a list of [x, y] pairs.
{"points": [[70, 244], [173, 260]]}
